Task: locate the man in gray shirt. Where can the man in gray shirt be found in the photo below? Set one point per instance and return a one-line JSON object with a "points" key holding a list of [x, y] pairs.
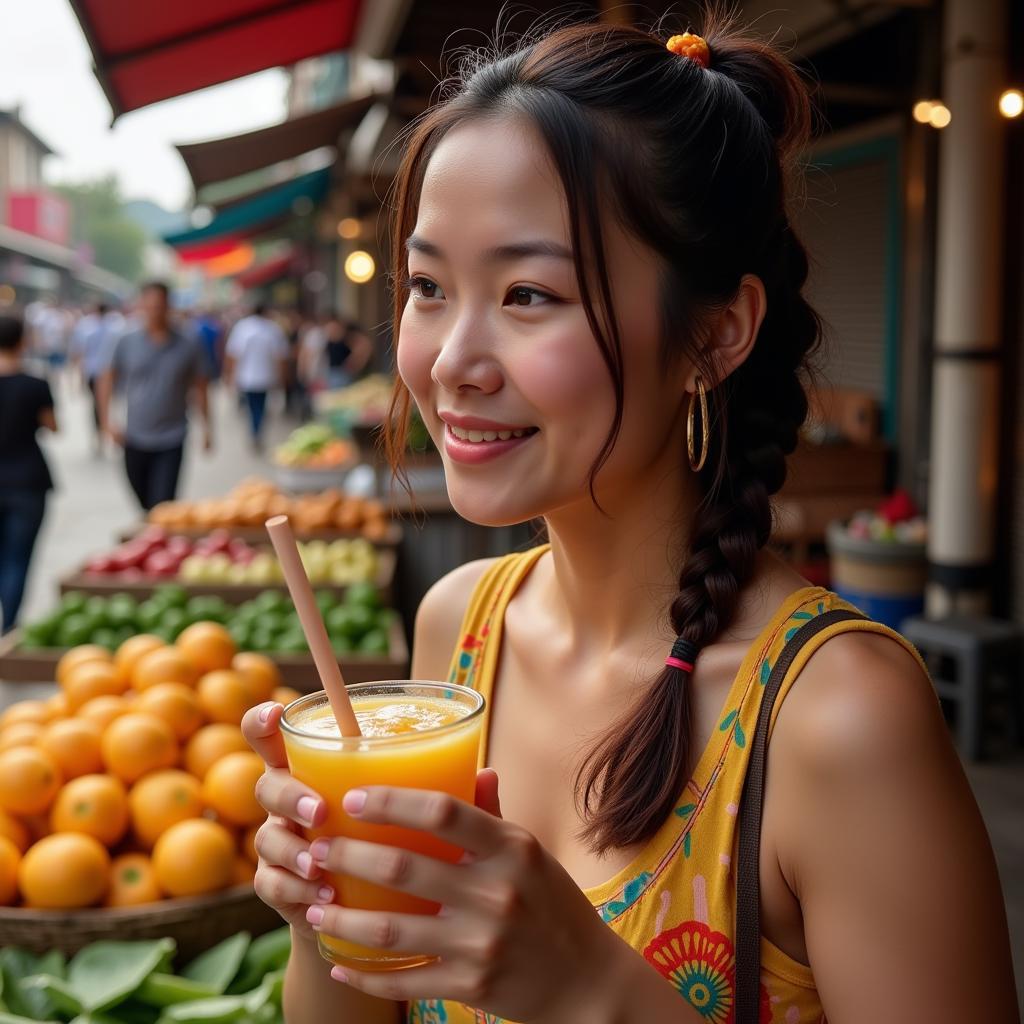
{"points": [[158, 367]]}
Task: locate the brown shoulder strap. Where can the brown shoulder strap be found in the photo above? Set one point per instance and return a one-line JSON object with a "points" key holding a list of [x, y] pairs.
{"points": [[748, 880]]}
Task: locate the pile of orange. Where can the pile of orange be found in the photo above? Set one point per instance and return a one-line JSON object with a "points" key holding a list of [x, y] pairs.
{"points": [[133, 783]]}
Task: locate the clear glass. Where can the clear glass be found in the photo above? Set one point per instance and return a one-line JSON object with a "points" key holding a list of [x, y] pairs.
{"points": [[440, 758]]}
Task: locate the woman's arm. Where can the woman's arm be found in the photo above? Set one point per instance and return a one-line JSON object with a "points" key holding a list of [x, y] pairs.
{"points": [[884, 847], [48, 419]]}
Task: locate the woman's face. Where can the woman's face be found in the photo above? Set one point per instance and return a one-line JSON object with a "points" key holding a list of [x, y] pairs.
{"points": [[495, 346]]}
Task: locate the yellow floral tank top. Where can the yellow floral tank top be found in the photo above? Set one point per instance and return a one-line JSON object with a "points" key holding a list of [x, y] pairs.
{"points": [[676, 902]]}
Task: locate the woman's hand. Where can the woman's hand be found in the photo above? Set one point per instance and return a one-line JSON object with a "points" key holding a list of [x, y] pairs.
{"points": [[286, 879], [515, 935]]}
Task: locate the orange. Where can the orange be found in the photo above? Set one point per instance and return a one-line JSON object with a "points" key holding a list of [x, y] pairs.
{"points": [[260, 673], [224, 696], [103, 710], [208, 645], [210, 744], [243, 872], [248, 843], [74, 743], [14, 830], [65, 870], [93, 679], [79, 656], [21, 734], [193, 857], [230, 788], [96, 805], [38, 826], [131, 651], [58, 706], [284, 695], [176, 703], [10, 858], [29, 780], [21, 711], [161, 800], [137, 743], [164, 665], [132, 881]]}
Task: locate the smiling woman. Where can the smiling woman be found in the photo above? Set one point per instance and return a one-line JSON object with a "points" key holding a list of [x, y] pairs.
{"points": [[595, 264]]}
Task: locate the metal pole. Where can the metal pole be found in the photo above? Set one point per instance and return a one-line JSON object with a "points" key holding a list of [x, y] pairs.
{"points": [[968, 311]]}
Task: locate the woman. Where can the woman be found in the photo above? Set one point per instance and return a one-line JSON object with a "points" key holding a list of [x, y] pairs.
{"points": [[26, 404], [598, 262]]}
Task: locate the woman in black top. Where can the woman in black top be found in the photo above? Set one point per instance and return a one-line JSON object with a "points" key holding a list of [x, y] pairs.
{"points": [[26, 404]]}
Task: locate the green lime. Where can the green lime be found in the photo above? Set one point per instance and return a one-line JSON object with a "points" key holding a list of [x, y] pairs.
{"points": [[272, 601], [362, 594], [246, 612], [375, 642], [35, 635], [325, 601], [122, 610], [292, 643], [149, 614], [339, 623], [261, 640], [240, 633], [124, 633], [105, 637], [361, 620], [170, 595], [96, 609], [73, 601], [167, 635], [174, 619], [74, 630], [341, 645]]}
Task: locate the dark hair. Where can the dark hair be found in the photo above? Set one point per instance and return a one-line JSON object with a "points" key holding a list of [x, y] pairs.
{"points": [[102, 308], [12, 330], [696, 163], [260, 309], [159, 286]]}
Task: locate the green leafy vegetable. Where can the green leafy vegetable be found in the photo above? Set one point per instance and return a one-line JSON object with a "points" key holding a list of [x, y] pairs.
{"points": [[15, 965], [267, 953], [105, 973], [57, 992], [167, 989], [218, 966], [218, 1010]]}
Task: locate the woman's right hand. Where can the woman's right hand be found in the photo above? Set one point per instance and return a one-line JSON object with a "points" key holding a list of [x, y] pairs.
{"points": [[286, 878]]}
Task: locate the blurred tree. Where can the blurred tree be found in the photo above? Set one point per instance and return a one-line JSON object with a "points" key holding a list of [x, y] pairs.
{"points": [[99, 221]]}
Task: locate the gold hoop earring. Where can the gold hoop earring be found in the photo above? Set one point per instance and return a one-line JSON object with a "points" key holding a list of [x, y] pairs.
{"points": [[691, 444]]}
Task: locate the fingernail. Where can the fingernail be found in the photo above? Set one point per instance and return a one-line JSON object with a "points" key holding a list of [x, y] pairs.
{"points": [[315, 915], [305, 863], [325, 893], [339, 975], [265, 712], [319, 850], [306, 808], [354, 801]]}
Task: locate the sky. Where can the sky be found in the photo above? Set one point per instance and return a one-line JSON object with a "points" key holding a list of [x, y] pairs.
{"points": [[47, 67]]}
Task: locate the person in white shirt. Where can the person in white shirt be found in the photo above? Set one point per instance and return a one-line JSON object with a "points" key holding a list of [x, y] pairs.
{"points": [[255, 361]]}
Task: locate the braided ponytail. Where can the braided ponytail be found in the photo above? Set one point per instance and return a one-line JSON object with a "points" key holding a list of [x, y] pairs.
{"points": [[695, 160]]}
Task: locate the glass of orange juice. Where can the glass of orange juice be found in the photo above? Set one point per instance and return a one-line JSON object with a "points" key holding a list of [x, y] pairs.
{"points": [[419, 735]]}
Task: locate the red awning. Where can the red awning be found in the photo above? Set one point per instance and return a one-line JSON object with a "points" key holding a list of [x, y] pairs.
{"points": [[145, 52], [269, 270], [220, 159]]}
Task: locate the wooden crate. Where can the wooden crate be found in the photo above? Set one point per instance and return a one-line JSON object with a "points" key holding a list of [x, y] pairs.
{"points": [[233, 593], [297, 670]]}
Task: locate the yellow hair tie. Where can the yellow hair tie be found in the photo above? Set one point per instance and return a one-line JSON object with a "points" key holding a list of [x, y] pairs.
{"points": [[693, 46]]}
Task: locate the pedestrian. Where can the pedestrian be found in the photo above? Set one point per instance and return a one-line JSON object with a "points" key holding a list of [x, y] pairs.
{"points": [[161, 369], [92, 345], [725, 795], [256, 362], [347, 350], [26, 405]]}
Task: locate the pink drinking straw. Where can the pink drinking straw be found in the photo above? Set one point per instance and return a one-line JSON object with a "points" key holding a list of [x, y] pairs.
{"points": [[295, 577]]}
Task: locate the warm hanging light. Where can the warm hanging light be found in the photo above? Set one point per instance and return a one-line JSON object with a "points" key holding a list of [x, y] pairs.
{"points": [[923, 111], [1011, 103], [359, 266], [349, 227], [940, 115]]}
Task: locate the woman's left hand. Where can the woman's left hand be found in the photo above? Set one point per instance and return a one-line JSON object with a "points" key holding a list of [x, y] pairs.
{"points": [[515, 935]]}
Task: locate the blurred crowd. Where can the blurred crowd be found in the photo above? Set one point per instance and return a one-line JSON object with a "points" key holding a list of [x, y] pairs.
{"points": [[148, 367]]}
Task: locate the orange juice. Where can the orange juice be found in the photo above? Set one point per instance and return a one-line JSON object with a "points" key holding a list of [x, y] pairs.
{"points": [[416, 735]]}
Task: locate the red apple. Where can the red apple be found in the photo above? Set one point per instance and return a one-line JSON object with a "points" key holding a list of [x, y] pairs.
{"points": [[217, 541], [100, 564]]}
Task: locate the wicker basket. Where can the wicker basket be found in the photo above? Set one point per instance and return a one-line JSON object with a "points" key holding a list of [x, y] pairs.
{"points": [[195, 923]]}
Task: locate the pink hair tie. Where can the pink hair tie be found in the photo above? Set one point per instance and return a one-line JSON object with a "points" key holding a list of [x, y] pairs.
{"points": [[684, 654]]}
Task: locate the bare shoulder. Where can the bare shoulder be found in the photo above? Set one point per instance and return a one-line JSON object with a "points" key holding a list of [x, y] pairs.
{"points": [[861, 700], [439, 618]]}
